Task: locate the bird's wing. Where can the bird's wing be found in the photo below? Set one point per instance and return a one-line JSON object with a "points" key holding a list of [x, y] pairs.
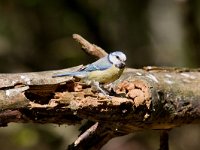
{"points": [[100, 64]]}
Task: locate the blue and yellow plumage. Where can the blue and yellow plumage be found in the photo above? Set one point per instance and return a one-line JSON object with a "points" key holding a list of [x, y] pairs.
{"points": [[102, 71]]}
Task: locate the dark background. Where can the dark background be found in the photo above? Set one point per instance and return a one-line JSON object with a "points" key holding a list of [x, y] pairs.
{"points": [[36, 35]]}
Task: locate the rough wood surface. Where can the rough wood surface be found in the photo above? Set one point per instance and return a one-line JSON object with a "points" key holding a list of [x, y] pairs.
{"points": [[156, 98]]}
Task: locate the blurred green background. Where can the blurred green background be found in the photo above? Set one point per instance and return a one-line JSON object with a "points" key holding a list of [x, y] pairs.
{"points": [[36, 35]]}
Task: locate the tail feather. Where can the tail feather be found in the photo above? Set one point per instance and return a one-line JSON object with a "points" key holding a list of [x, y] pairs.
{"points": [[75, 74]]}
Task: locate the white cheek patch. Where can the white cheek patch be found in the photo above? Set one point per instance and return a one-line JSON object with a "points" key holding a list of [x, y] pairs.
{"points": [[112, 59], [117, 60]]}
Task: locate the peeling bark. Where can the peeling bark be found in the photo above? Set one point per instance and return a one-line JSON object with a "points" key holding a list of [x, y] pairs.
{"points": [[149, 98]]}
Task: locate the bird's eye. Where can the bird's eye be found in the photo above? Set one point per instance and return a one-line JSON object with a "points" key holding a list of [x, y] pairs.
{"points": [[117, 57]]}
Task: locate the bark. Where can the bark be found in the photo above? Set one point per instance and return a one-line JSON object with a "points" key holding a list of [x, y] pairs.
{"points": [[156, 98]]}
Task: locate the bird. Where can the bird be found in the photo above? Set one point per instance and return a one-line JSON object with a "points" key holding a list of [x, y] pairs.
{"points": [[103, 71]]}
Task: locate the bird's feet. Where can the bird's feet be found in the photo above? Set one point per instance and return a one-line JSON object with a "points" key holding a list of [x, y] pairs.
{"points": [[97, 86]]}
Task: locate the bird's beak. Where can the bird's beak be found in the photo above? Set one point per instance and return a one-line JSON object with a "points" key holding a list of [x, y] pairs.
{"points": [[122, 65]]}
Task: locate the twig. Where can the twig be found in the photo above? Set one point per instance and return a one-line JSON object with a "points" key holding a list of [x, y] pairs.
{"points": [[86, 134], [89, 48], [164, 138], [93, 138]]}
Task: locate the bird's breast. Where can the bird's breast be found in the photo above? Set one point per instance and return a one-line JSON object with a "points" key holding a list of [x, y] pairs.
{"points": [[105, 76]]}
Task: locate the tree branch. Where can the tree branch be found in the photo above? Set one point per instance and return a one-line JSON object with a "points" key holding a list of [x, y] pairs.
{"points": [[89, 48], [154, 98], [164, 140]]}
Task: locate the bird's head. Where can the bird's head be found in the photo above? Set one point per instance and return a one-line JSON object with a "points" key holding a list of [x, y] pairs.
{"points": [[118, 59]]}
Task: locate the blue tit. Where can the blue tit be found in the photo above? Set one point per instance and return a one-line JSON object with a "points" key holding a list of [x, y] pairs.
{"points": [[103, 71]]}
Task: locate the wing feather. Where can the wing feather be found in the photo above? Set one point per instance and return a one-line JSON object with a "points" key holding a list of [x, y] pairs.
{"points": [[101, 64]]}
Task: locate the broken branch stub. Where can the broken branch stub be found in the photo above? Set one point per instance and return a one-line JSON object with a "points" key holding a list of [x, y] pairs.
{"points": [[89, 48]]}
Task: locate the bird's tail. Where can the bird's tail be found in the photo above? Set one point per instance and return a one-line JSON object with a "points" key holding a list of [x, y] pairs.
{"points": [[75, 74], [62, 74]]}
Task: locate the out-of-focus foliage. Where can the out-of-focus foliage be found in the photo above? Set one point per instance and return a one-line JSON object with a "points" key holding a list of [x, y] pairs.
{"points": [[36, 35], [34, 136]]}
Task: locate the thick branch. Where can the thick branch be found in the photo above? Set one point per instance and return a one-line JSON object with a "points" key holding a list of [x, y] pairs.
{"points": [[156, 98]]}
